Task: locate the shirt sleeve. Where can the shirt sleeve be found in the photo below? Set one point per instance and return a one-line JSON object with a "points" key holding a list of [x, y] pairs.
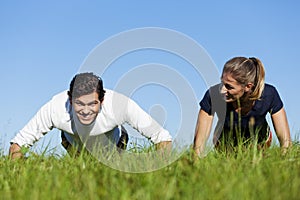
{"points": [[135, 116], [145, 124], [205, 103], [213, 102], [276, 102], [36, 128]]}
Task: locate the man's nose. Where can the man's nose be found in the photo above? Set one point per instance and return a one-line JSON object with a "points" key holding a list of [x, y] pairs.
{"points": [[86, 109]]}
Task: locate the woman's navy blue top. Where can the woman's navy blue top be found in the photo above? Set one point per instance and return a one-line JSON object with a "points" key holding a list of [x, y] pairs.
{"points": [[232, 125]]}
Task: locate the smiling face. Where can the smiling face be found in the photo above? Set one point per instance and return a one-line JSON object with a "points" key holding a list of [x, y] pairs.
{"points": [[231, 89], [86, 107]]}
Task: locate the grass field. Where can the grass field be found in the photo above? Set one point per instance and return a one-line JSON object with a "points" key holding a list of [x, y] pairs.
{"points": [[244, 175]]}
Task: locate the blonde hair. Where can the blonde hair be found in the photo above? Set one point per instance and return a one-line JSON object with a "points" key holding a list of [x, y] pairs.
{"points": [[247, 70]]}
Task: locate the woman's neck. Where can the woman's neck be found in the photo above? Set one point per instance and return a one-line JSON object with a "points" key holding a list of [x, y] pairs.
{"points": [[243, 106]]}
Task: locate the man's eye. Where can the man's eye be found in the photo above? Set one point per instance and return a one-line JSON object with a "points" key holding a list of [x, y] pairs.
{"points": [[79, 104], [93, 104]]}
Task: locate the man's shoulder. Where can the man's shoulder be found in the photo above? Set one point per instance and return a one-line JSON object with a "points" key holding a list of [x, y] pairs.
{"points": [[60, 102], [112, 94], [116, 100], [62, 96]]}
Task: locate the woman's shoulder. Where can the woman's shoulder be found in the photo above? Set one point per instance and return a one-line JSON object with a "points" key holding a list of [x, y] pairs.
{"points": [[270, 93], [269, 86], [271, 97], [269, 89]]}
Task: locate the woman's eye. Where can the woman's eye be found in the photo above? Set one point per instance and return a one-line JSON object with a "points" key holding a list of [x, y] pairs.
{"points": [[228, 87]]}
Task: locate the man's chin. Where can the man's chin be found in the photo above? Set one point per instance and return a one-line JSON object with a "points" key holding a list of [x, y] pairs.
{"points": [[86, 122]]}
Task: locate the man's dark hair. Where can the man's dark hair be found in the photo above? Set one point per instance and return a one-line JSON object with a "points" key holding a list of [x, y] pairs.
{"points": [[86, 83]]}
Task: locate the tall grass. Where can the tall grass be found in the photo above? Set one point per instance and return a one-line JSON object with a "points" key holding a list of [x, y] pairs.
{"points": [[248, 174]]}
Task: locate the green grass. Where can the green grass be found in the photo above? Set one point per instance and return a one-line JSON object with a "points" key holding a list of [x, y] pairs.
{"points": [[244, 175]]}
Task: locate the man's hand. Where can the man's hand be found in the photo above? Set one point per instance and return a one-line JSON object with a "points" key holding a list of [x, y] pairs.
{"points": [[167, 146], [15, 151], [164, 148]]}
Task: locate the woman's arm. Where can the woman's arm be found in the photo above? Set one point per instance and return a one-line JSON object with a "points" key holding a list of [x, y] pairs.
{"points": [[202, 132], [281, 127]]}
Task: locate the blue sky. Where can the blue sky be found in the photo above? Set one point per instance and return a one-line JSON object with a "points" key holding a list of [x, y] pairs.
{"points": [[43, 45]]}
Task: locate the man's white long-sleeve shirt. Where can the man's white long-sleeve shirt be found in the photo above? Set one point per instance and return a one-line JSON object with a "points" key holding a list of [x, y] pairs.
{"points": [[116, 109]]}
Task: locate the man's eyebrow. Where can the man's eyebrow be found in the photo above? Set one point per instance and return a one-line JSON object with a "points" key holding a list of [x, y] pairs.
{"points": [[91, 102], [95, 101], [77, 101]]}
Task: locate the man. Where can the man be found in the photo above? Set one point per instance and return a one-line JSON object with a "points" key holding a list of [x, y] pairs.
{"points": [[88, 111]]}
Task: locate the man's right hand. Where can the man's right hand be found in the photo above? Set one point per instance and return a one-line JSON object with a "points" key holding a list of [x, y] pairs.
{"points": [[15, 151]]}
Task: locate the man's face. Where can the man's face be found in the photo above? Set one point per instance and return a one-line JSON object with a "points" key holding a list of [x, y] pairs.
{"points": [[86, 107], [231, 89]]}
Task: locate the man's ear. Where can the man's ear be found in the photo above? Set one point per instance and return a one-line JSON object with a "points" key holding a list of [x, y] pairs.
{"points": [[70, 97], [248, 87], [101, 100]]}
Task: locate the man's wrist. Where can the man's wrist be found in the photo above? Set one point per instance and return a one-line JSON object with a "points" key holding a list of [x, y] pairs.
{"points": [[164, 145]]}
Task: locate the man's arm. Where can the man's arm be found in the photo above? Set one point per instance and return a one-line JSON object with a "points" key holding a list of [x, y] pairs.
{"points": [[146, 125], [39, 125]]}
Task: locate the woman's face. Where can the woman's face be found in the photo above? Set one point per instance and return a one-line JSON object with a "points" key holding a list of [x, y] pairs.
{"points": [[231, 89]]}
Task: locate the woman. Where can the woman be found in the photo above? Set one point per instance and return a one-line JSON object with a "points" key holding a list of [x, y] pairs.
{"points": [[241, 102]]}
